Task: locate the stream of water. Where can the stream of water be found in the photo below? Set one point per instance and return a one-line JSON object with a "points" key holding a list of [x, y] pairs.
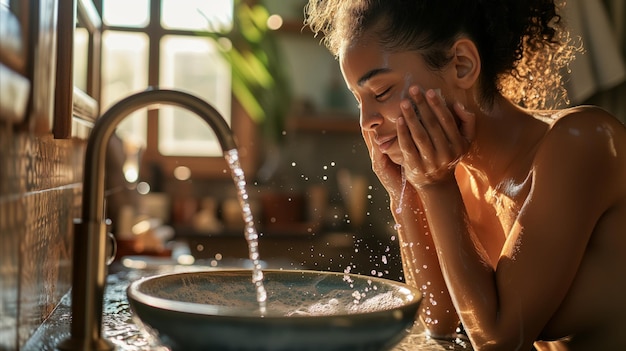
{"points": [[251, 234]]}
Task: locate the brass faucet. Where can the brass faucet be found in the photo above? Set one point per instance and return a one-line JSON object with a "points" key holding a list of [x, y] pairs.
{"points": [[90, 234]]}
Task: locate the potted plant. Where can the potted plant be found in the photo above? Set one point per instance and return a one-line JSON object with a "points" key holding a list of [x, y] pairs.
{"points": [[259, 79]]}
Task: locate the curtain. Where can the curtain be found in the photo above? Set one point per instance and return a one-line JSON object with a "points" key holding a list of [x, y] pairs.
{"points": [[598, 76]]}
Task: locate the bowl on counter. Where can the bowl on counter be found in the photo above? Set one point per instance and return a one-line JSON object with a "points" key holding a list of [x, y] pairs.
{"points": [[306, 310]]}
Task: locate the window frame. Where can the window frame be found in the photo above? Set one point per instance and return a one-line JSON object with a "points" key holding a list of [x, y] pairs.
{"points": [[243, 127], [75, 110]]}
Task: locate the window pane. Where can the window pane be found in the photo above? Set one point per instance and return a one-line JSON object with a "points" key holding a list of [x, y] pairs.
{"points": [[194, 65], [210, 15], [126, 13], [125, 71], [81, 56]]}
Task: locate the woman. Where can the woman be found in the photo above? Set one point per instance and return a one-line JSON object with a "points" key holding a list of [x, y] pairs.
{"points": [[511, 219]]}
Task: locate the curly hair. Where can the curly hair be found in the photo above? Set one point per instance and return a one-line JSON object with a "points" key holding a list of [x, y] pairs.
{"points": [[523, 44]]}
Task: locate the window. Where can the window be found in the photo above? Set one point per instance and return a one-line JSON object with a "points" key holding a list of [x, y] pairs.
{"points": [[155, 42], [191, 64], [125, 71]]}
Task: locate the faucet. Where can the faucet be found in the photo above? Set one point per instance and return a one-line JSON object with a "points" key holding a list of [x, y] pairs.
{"points": [[90, 233]]}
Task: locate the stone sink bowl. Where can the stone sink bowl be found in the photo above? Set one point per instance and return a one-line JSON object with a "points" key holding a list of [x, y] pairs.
{"points": [[306, 310]]}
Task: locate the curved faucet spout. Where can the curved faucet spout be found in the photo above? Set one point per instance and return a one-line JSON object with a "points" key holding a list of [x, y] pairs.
{"points": [[89, 262], [93, 191]]}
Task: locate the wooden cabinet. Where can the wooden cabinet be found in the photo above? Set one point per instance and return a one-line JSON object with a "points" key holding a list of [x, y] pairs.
{"points": [[15, 82], [36, 65]]}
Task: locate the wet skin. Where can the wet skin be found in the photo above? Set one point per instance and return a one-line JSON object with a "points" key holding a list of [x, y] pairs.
{"points": [[512, 221]]}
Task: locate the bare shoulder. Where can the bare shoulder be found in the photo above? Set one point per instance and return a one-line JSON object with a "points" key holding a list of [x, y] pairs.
{"points": [[587, 142], [585, 131], [587, 120]]}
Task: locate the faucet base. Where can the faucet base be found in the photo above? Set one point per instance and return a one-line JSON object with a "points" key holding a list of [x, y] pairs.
{"points": [[73, 344]]}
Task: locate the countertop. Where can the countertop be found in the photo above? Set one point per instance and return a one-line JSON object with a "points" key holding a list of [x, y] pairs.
{"points": [[120, 327]]}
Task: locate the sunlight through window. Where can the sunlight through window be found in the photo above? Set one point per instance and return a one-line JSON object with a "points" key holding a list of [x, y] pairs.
{"points": [[204, 15], [185, 62], [135, 13], [192, 64]]}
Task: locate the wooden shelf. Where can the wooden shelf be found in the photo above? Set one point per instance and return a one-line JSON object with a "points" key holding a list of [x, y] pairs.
{"points": [[332, 122]]}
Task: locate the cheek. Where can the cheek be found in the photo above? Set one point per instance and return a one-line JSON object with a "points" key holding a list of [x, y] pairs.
{"points": [[393, 118], [388, 110], [391, 110]]}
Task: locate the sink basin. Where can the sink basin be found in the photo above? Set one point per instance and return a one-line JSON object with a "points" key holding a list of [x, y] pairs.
{"points": [[306, 310]]}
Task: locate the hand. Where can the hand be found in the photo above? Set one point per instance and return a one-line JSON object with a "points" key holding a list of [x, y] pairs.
{"points": [[432, 143], [388, 172]]}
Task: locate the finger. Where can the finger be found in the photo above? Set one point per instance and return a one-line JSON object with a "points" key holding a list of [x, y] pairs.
{"points": [[468, 121], [375, 154], [413, 139], [454, 142], [414, 156], [443, 114], [379, 160], [387, 172], [446, 136], [429, 120]]}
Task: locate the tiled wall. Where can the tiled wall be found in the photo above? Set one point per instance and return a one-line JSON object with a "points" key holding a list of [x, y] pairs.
{"points": [[40, 188]]}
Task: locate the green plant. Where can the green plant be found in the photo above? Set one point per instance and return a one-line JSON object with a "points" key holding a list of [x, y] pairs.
{"points": [[259, 80]]}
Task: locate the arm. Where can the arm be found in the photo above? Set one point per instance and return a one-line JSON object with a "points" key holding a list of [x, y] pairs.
{"points": [[506, 309], [416, 247]]}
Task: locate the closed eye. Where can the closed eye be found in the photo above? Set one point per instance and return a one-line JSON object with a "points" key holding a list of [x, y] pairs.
{"points": [[381, 95]]}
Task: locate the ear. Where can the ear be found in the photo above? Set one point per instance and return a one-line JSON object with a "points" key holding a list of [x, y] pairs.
{"points": [[466, 61]]}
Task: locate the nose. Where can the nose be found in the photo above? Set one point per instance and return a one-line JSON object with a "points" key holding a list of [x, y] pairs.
{"points": [[369, 118]]}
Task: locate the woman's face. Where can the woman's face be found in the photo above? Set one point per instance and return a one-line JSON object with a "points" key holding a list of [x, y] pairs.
{"points": [[379, 80]]}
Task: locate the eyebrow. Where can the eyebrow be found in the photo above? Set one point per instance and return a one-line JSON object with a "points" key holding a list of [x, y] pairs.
{"points": [[367, 76]]}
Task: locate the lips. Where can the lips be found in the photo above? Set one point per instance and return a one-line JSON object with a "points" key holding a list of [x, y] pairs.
{"points": [[385, 143]]}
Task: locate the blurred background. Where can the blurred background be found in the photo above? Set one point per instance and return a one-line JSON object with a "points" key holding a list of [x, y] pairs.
{"points": [[314, 197], [170, 197]]}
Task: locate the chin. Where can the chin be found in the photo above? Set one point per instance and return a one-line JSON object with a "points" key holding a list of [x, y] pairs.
{"points": [[396, 158]]}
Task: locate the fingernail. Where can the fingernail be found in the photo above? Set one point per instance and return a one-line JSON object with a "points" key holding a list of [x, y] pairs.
{"points": [[406, 105], [461, 106], [431, 93], [400, 120]]}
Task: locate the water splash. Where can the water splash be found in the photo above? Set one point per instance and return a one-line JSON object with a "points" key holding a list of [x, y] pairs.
{"points": [[399, 208], [251, 234]]}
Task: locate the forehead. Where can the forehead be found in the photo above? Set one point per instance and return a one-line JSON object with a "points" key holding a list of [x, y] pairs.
{"points": [[363, 55], [358, 59]]}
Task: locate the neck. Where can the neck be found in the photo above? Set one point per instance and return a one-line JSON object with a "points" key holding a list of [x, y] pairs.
{"points": [[502, 130]]}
